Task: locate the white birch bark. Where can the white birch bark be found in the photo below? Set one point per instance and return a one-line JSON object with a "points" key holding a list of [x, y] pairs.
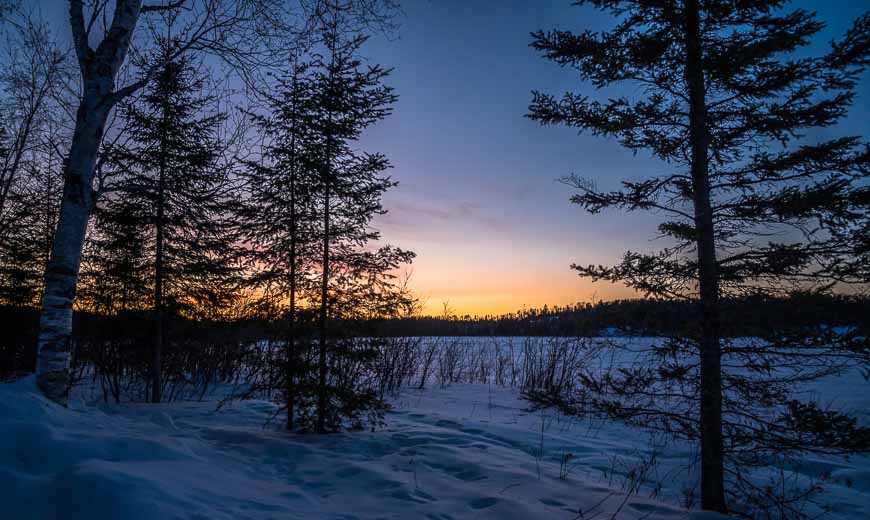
{"points": [[99, 68]]}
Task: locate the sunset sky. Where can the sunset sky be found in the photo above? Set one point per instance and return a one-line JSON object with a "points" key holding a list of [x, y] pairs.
{"points": [[479, 200]]}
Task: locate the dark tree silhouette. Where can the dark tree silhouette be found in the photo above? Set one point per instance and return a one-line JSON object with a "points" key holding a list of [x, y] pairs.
{"points": [[279, 217], [117, 259], [350, 98], [751, 207], [180, 190], [308, 219], [32, 70]]}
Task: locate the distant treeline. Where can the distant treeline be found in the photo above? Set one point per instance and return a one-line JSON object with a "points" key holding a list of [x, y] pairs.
{"points": [[747, 316]]}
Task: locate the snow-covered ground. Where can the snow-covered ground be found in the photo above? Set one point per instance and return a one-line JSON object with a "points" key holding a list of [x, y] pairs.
{"points": [[462, 451]]}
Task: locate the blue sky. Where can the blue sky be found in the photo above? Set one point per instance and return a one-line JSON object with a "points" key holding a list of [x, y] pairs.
{"points": [[479, 198]]}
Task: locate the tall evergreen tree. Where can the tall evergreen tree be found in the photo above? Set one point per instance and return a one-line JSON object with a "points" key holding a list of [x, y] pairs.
{"points": [[279, 219], [175, 180], [751, 207], [312, 197], [349, 97]]}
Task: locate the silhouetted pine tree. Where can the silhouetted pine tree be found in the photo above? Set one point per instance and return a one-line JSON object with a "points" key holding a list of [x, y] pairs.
{"points": [[752, 206], [310, 201], [349, 96], [278, 217], [175, 178]]}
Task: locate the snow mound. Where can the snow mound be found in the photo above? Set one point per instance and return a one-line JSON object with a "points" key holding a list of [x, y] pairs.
{"points": [[59, 463], [460, 452]]}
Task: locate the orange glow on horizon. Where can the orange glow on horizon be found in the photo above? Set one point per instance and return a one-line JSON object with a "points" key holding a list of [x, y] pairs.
{"points": [[474, 290], [497, 304]]}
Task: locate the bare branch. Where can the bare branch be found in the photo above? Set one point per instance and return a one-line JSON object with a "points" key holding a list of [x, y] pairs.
{"points": [[167, 7]]}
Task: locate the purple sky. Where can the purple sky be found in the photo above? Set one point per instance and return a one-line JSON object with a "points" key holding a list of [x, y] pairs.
{"points": [[479, 199]]}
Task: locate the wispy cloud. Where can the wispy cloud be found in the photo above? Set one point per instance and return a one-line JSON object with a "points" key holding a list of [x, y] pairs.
{"points": [[405, 214]]}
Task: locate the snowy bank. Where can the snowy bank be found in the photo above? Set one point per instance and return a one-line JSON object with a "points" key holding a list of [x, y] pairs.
{"points": [[466, 451]]}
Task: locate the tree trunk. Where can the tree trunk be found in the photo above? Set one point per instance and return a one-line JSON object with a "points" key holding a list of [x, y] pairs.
{"points": [[61, 276], [291, 336], [291, 345], [712, 467], [157, 353], [98, 69], [324, 287]]}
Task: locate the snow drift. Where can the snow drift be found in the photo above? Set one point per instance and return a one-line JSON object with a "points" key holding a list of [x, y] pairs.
{"points": [[467, 451]]}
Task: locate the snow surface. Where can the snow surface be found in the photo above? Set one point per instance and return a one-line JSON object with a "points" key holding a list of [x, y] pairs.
{"points": [[463, 451], [445, 454]]}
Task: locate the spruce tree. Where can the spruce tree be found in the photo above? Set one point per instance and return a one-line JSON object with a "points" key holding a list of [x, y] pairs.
{"points": [[349, 97], [278, 217], [175, 177], [751, 206], [311, 199], [116, 275]]}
